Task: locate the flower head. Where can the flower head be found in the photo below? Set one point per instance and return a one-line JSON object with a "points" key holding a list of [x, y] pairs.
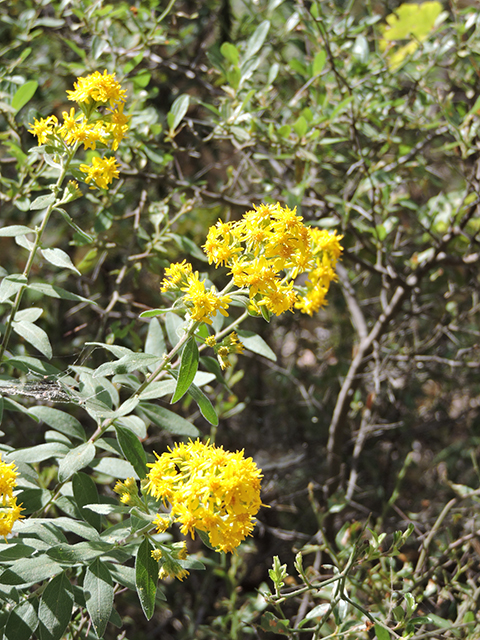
{"points": [[98, 88], [43, 128], [9, 510], [209, 490], [102, 171]]}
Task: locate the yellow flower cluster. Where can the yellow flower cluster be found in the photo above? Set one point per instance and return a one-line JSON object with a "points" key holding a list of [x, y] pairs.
{"points": [[267, 249], [209, 490], [89, 126], [202, 304], [171, 557], [9, 510], [230, 344]]}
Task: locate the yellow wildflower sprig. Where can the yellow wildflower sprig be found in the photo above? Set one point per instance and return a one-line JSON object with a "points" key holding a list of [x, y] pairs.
{"points": [[170, 559], [208, 490], [100, 121], [10, 511], [265, 251]]}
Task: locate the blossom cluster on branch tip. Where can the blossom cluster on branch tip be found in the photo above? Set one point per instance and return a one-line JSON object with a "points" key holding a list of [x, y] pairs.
{"points": [[9, 510], [208, 490], [100, 121], [265, 251]]}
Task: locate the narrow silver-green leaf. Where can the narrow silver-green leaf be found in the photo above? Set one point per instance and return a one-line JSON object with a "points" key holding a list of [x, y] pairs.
{"points": [[178, 111], [155, 342], [257, 40], [75, 460], [114, 467], [60, 421], [255, 343], [146, 578], [188, 369], [60, 259], [204, 404], [41, 452], [98, 591], [14, 230], [57, 292], [55, 610], [127, 364], [42, 202], [10, 285], [168, 420], [35, 336]]}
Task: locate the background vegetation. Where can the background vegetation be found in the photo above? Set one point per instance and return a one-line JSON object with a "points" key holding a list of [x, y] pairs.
{"points": [[367, 424]]}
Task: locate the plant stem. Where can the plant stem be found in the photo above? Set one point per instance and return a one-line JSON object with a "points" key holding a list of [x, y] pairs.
{"points": [[151, 378], [28, 267]]}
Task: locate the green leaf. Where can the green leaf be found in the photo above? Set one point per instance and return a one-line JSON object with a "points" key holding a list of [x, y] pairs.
{"points": [[204, 404], [10, 285], [85, 236], [22, 622], [127, 364], [14, 230], [57, 292], [146, 578], [188, 369], [255, 343], [80, 52], [256, 41], [132, 450], [85, 492], [30, 570], [35, 336], [60, 421], [158, 390], [78, 527], [270, 623], [381, 633], [168, 420], [178, 111], [319, 62], [230, 52], [55, 610], [75, 460], [155, 342], [41, 452], [98, 590], [23, 94], [300, 126], [120, 469], [42, 202], [60, 259], [174, 326], [82, 552]]}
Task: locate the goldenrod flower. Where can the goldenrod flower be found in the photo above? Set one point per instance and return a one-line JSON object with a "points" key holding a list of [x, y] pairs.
{"points": [[9, 510], [98, 88], [176, 276], [90, 127], [101, 171], [43, 128], [127, 491], [267, 249], [209, 490], [203, 303], [230, 344]]}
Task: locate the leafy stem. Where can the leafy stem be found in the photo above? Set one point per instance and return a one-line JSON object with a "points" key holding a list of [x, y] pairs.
{"points": [[38, 231]]}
